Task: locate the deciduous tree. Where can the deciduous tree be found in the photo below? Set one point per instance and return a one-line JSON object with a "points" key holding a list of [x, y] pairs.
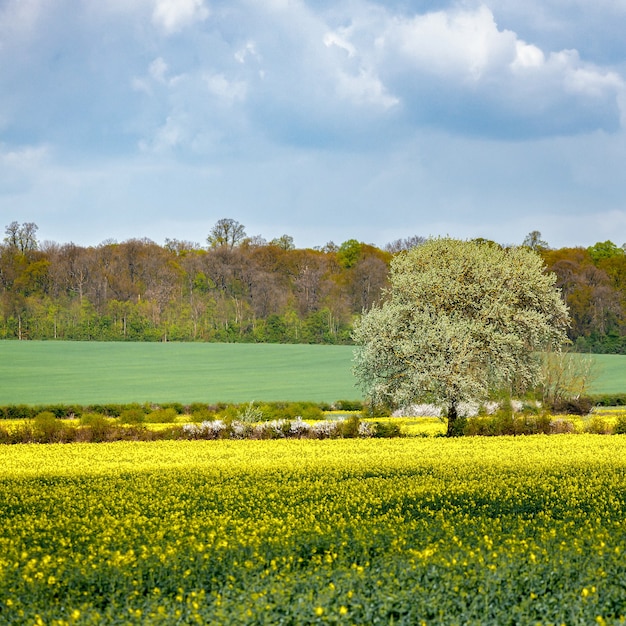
{"points": [[462, 319]]}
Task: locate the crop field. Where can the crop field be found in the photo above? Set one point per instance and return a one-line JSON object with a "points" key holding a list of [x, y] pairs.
{"points": [[526, 530], [35, 372], [40, 372]]}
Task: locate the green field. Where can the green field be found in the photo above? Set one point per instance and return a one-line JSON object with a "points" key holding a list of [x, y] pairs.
{"points": [[40, 372]]}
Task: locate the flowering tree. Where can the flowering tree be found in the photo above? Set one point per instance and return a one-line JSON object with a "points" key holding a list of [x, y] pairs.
{"points": [[462, 318]]}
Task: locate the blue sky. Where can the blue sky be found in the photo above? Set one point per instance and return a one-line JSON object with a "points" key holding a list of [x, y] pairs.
{"points": [[325, 120]]}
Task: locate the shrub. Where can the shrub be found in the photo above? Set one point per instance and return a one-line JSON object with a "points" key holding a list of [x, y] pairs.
{"points": [[274, 429], [609, 399], [504, 422], [19, 411], [249, 414], [573, 406], [162, 416], [178, 407], [48, 429], [620, 425], [597, 425], [214, 429], [202, 415], [299, 428], [348, 405], [349, 428], [64, 410], [96, 428], [562, 426], [377, 410], [112, 410], [388, 429], [132, 416], [324, 430]]}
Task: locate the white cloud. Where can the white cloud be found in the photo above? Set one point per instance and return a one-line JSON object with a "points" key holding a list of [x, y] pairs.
{"points": [[23, 158], [158, 69], [228, 90], [174, 15], [458, 42], [527, 56], [249, 50], [365, 88], [336, 39]]}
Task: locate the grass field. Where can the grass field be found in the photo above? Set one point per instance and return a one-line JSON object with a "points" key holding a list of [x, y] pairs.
{"points": [[490, 531], [87, 372]]}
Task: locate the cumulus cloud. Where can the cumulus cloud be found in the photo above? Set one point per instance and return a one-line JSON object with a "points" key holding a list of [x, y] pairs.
{"points": [[458, 69], [174, 15]]}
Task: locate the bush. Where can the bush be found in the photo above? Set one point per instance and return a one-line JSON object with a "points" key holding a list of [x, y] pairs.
{"points": [[348, 405], [48, 429], [202, 415], [386, 429], [112, 410], [379, 410], [178, 407], [132, 416], [19, 412], [609, 399], [561, 426], [62, 411], [349, 428], [249, 414], [620, 426], [96, 428], [573, 406], [162, 416], [597, 425], [504, 422]]}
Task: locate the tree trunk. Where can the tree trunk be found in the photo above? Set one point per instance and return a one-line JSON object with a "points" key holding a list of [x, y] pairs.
{"points": [[452, 419]]}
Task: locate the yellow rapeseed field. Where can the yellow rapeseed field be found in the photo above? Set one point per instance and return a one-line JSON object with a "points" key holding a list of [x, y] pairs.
{"points": [[500, 530]]}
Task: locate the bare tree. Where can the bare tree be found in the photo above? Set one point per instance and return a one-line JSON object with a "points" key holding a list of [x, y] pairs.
{"points": [[405, 244], [226, 233]]}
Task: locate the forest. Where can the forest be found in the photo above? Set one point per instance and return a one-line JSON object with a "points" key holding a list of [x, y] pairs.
{"points": [[236, 288]]}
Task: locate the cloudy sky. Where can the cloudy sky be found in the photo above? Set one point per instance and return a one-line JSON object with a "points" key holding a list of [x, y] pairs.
{"points": [[322, 119]]}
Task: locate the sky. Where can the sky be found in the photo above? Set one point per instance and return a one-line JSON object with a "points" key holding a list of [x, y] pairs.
{"points": [[326, 120]]}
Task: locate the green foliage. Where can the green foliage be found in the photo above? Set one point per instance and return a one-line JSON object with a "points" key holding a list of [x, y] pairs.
{"points": [[162, 416], [132, 416], [349, 253], [386, 429], [112, 410], [609, 399], [349, 428], [371, 410], [508, 423], [604, 250]]}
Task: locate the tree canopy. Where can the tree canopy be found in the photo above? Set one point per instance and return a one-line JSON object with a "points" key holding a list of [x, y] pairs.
{"points": [[461, 319]]}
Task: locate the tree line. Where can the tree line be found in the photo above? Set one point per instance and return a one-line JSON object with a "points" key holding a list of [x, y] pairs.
{"points": [[237, 288], [234, 289]]}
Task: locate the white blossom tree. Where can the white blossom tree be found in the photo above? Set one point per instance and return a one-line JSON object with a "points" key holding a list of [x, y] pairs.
{"points": [[461, 319]]}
